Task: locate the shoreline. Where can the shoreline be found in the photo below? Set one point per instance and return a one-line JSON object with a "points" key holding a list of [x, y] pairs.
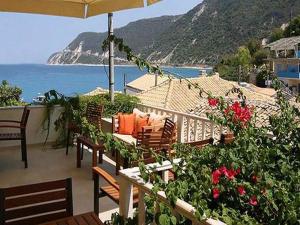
{"points": [[128, 65], [104, 65]]}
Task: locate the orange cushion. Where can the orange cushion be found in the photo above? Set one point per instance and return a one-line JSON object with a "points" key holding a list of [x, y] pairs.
{"points": [[140, 122], [126, 123]]}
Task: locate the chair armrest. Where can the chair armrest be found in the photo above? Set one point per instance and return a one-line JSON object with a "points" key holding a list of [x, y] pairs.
{"points": [[11, 126], [9, 121], [106, 176]]}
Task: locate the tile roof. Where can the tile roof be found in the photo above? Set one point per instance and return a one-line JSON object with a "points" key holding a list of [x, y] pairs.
{"points": [[263, 110], [146, 82], [98, 91], [284, 43], [175, 94]]}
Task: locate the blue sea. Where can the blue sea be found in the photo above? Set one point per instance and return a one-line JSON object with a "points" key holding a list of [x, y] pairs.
{"points": [[36, 79]]}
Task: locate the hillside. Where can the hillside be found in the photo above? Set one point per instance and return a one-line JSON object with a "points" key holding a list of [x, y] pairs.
{"points": [[86, 48], [205, 33]]}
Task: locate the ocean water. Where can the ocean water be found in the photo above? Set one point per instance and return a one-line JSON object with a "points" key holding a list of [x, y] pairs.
{"points": [[70, 80]]}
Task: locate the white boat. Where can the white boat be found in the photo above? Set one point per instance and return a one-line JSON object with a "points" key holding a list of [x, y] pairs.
{"points": [[38, 100]]}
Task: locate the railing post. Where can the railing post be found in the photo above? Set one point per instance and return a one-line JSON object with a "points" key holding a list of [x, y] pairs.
{"points": [[180, 129], [165, 176], [126, 198], [203, 130], [188, 127], [212, 130], [142, 208]]}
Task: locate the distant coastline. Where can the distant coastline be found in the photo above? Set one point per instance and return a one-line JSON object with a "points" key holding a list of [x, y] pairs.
{"points": [[132, 65]]}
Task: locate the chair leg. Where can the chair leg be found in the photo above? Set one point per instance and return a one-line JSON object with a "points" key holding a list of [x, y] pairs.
{"points": [[96, 194], [100, 156], [94, 163], [68, 142], [81, 147], [24, 151]]}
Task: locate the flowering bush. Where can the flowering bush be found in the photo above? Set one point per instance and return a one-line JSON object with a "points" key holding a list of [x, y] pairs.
{"points": [[255, 179]]}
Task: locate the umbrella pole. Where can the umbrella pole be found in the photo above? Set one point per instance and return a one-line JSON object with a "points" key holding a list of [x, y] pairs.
{"points": [[111, 59]]}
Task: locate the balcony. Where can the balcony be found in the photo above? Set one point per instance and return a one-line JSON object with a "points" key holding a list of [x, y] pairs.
{"points": [[46, 163], [288, 74]]}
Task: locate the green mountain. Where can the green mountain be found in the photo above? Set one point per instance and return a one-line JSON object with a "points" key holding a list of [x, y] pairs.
{"points": [[203, 35], [86, 48]]}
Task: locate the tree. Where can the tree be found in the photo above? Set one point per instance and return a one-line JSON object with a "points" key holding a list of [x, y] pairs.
{"points": [[254, 45], [276, 34], [243, 56], [259, 57], [293, 29], [9, 95]]}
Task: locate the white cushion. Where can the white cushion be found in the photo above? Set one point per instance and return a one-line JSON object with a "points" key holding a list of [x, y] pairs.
{"points": [[139, 113], [156, 117], [128, 139]]}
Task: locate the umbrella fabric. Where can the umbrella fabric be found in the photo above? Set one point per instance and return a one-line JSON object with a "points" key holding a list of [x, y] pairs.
{"points": [[70, 8]]}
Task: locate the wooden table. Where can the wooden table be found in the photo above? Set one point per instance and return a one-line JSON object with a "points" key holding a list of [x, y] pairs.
{"points": [[83, 219]]}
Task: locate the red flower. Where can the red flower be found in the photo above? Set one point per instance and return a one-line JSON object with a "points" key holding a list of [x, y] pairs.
{"points": [[230, 174], [216, 193], [223, 169], [216, 176], [254, 179], [241, 190], [238, 171], [213, 102], [253, 200]]}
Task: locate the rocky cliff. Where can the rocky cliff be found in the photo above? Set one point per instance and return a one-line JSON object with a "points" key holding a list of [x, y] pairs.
{"points": [[202, 35]]}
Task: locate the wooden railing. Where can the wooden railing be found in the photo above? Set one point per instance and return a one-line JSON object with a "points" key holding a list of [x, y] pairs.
{"points": [[131, 176], [189, 127]]}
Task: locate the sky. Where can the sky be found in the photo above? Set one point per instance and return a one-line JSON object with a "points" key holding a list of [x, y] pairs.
{"points": [[28, 38]]}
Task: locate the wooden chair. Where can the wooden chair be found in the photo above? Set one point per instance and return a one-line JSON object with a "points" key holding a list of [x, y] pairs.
{"points": [[159, 140], [112, 190], [21, 125], [93, 114], [36, 203]]}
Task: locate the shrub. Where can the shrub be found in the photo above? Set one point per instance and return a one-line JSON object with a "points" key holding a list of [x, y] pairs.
{"points": [[9, 96], [255, 179]]}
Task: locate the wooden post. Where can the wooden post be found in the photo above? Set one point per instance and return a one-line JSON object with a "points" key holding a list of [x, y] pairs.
{"points": [[126, 198]]}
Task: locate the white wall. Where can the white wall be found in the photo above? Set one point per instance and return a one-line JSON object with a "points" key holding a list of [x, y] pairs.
{"points": [[35, 131]]}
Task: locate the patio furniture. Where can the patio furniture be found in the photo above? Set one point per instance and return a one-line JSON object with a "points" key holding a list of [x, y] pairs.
{"points": [[83, 219], [36, 203], [21, 125], [96, 148], [159, 141], [93, 114], [112, 190]]}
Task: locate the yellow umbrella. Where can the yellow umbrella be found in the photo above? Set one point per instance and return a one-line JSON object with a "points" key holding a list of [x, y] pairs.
{"points": [[79, 9], [71, 8]]}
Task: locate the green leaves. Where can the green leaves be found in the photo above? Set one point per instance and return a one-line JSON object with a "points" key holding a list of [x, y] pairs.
{"points": [[9, 95], [165, 219]]}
